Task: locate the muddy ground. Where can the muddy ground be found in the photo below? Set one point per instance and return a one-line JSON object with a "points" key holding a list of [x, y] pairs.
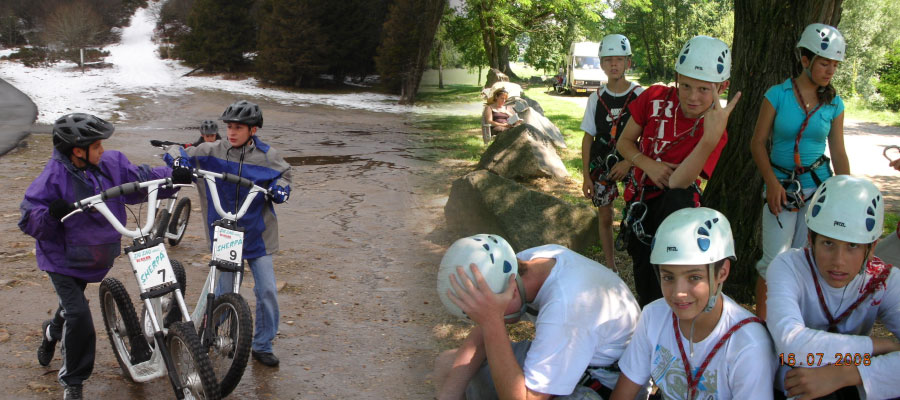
{"points": [[359, 249]]}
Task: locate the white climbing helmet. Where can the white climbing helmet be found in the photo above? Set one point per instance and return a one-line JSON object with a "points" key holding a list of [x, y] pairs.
{"points": [[694, 236], [615, 45], [704, 58], [495, 259], [824, 41], [847, 208]]}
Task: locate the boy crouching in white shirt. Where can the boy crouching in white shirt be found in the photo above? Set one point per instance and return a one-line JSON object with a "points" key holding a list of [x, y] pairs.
{"points": [[696, 343], [824, 299]]}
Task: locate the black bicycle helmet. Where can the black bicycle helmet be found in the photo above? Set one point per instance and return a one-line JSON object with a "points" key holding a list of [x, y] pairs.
{"points": [[79, 130], [244, 112], [209, 127]]}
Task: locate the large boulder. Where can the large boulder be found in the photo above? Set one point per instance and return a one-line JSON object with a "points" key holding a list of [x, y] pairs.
{"points": [[494, 75], [523, 153], [533, 104], [483, 202]]}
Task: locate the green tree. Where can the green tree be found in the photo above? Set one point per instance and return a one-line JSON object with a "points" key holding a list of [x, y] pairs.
{"points": [[889, 84], [870, 27], [408, 36], [290, 53], [221, 32], [545, 27], [765, 34], [658, 28]]}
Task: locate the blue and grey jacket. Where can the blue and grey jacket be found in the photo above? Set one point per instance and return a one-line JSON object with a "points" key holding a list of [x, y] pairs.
{"points": [[256, 161], [86, 245]]}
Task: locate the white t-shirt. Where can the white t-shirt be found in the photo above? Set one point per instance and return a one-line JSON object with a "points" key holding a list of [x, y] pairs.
{"points": [[743, 368], [586, 316], [588, 122], [799, 325]]}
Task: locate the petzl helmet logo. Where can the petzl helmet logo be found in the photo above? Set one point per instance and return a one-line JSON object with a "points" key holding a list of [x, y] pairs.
{"points": [[840, 224], [671, 248]]}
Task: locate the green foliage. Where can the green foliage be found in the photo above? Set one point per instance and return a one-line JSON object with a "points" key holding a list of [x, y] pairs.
{"points": [[658, 29], [870, 27], [301, 39], [465, 35], [399, 53], [889, 84], [221, 31], [32, 56]]}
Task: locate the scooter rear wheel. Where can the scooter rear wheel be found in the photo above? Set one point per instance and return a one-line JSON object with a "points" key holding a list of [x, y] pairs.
{"points": [[180, 217], [122, 327], [191, 363]]}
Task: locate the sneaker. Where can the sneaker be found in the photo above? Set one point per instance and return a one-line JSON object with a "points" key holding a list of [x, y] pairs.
{"points": [[73, 392], [267, 359], [48, 346]]}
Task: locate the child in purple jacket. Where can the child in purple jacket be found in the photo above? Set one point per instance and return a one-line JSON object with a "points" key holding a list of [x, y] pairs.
{"points": [[81, 249]]}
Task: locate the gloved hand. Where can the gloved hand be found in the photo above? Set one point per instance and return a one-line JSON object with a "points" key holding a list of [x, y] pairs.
{"points": [[181, 171], [279, 194], [156, 143], [59, 208]]}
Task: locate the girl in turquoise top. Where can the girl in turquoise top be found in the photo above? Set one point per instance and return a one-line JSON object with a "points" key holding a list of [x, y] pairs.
{"points": [[800, 115]]}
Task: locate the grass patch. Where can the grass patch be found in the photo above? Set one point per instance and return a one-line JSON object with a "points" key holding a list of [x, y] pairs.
{"points": [[890, 222], [457, 93], [856, 109]]}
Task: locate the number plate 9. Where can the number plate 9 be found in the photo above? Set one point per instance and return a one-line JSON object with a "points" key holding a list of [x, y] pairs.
{"points": [[152, 267], [228, 245]]}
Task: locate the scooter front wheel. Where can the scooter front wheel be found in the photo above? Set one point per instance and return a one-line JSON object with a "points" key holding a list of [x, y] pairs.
{"points": [[191, 363], [122, 326], [232, 334]]}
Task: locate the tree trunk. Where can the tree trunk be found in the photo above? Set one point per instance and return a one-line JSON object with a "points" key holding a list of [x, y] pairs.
{"points": [[431, 18], [504, 64], [765, 35], [488, 34], [440, 62]]}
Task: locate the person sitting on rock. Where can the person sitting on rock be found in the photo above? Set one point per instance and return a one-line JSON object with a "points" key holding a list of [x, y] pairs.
{"points": [[497, 113], [583, 314]]}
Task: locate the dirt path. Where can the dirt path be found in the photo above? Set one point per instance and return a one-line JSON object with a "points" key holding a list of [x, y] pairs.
{"points": [[357, 258]]}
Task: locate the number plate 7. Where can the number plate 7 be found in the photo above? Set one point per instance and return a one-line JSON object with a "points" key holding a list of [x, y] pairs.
{"points": [[228, 245], [151, 267]]}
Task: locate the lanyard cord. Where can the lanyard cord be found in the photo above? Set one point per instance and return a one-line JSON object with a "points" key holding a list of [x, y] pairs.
{"points": [[878, 279], [694, 379], [798, 167], [639, 186], [615, 121]]}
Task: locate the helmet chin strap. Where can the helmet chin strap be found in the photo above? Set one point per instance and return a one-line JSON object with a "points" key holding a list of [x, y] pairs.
{"points": [[710, 304], [524, 306]]}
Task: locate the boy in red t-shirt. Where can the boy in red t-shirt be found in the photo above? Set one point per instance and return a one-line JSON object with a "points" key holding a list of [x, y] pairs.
{"points": [[682, 133]]}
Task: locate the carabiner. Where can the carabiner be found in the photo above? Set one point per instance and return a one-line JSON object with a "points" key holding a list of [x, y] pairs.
{"points": [[885, 153], [639, 205]]}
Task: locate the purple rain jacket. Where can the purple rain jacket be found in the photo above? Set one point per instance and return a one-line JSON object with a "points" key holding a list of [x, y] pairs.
{"points": [[86, 244]]}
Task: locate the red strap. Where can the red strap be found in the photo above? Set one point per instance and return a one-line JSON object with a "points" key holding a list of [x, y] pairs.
{"points": [[694, 379], [615, 121], [874, 267], [798, 167]]}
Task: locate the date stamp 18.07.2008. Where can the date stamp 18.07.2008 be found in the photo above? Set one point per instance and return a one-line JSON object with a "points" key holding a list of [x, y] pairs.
{"points": [[819, 359]]}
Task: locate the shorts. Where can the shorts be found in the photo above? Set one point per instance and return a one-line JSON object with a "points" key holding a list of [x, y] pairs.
{"points": [[481, 386], [605, 192], [776, 239]]}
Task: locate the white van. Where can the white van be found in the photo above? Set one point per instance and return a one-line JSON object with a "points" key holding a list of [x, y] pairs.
{"points": [[583, 73]]}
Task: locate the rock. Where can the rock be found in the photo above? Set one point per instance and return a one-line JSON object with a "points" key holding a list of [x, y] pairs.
{"points": [[535, 80], [522, 153], [280, 285], [544, 127], [493, 76], [534, 104], [4, 336], [7, 282], [483, 202], [40, 387]]}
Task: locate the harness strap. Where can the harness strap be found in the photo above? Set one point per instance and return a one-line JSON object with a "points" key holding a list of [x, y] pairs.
{"points": [[880, 275], [693, 380], [822, 160]]}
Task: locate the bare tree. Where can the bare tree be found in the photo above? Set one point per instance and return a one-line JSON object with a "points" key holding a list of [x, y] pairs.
{"points": [[73, 25]]}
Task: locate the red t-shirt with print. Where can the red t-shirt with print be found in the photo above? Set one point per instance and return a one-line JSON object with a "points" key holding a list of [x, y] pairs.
{"points": [[654, 110]]}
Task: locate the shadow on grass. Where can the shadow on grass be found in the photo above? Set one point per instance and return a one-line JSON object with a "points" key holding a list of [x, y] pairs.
{"points": [[449, 94], [451, 136]]}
